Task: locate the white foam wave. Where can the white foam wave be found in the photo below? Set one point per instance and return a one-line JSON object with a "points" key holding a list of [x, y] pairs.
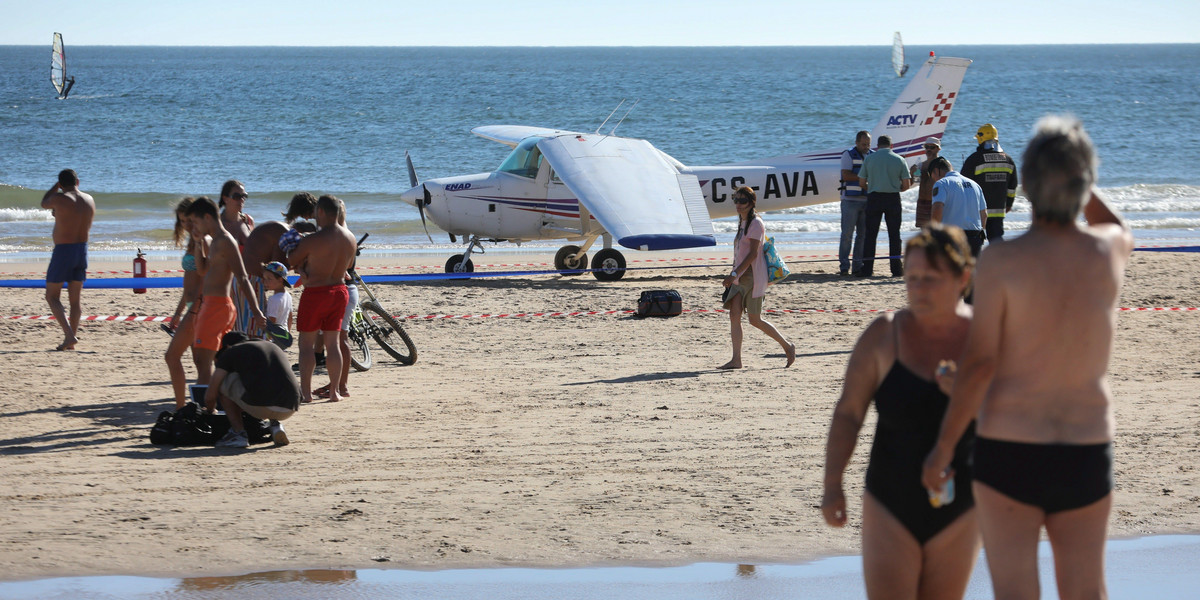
{"points": [[8, 215], [1141, 197], [1144, 197], [784, 226], [1167, 223]]}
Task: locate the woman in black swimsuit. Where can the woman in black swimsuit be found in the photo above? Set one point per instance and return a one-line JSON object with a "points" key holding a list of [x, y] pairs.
{"points": [[905, 362]]}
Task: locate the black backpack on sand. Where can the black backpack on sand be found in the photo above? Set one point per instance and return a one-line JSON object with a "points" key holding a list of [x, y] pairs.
{"points": [[659, 303]]}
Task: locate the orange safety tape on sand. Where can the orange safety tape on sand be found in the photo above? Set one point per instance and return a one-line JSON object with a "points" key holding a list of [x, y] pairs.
{"points": [[579, 313]]}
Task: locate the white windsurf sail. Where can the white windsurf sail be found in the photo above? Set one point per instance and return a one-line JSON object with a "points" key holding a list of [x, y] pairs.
{"points": [[898, 56], [58, 65]]}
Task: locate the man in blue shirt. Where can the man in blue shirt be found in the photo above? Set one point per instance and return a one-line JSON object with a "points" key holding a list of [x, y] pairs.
{"points": [[885, 174], [958, 201]]}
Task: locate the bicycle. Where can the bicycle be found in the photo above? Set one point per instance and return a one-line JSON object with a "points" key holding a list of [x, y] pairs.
{"points": [[369, 319], [360, 351]]}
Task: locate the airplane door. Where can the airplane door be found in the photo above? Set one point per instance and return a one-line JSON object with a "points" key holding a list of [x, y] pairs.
{"points": [[519, 208]]}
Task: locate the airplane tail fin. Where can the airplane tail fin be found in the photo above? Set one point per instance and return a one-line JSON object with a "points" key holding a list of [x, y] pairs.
{"points": [[923, 108]]}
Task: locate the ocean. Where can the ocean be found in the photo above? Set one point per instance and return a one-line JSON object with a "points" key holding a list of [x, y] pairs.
{"points": [[145, 126]]}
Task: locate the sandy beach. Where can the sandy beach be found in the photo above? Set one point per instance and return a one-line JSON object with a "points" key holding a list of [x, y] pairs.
{"points": [[532, 441]]}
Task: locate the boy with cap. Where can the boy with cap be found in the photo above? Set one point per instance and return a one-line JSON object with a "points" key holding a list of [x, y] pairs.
{"points": [[279, 305]]}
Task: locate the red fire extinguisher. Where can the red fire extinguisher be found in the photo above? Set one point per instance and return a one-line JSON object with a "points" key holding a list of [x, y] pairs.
{"points": [[139, 269]]}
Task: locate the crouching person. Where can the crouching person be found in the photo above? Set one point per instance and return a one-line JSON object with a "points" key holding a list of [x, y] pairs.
{"points": [[252, 376]]}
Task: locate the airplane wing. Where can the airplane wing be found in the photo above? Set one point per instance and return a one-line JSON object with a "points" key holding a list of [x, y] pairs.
{"points": [[639, 198], [511, 135]]}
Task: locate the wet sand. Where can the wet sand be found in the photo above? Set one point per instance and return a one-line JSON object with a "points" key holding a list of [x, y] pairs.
{"points": [[531, 441]]}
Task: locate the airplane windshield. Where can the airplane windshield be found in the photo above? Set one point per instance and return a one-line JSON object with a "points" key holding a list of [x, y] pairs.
{"points": [[525, 159]]}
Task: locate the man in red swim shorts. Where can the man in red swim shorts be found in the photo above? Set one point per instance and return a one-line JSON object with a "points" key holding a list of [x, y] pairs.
{"points": [[321, 259]]}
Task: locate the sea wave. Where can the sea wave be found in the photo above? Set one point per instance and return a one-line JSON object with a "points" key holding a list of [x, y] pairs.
{"points": [[1139, 197], [8, 215], [784, 226]]}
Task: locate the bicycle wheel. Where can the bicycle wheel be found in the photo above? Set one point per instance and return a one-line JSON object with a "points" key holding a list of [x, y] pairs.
{"points": [[389, 334], [360, 352]]}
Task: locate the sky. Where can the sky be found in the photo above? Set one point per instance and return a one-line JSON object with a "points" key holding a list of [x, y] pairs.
{"points": [[595, 23]]}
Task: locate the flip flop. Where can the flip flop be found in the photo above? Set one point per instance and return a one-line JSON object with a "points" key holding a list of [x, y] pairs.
{"points": [[321, 392], [167, 328]]}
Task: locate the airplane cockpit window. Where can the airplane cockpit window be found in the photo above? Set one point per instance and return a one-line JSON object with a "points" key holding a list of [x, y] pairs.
{"points": [[525, 159]]}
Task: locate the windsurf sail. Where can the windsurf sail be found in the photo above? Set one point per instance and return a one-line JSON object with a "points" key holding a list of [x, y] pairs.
{"points": [[58, 68], [898, 56]]}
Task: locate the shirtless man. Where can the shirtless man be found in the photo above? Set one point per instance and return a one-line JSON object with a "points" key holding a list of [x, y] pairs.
{"points": [[1033, 374], [225, 270], [73, 211], [321, 259], [262, 245]]}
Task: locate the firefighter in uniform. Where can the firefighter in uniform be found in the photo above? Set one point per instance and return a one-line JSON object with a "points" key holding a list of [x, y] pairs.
{"points": [[996, 173]]}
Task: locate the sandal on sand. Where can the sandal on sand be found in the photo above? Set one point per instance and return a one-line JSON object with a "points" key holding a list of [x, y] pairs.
{"points": [[321, 392]]}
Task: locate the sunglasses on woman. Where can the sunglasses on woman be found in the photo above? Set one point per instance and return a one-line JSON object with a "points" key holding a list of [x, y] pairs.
{"points": [[741, 200]]}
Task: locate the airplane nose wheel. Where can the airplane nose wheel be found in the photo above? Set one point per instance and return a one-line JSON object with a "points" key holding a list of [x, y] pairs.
{"points": [[455, 264], [608, 265], [563, 260]]}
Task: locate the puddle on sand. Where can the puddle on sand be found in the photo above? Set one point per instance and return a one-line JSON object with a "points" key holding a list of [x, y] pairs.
{"points": [[1158, 567]]}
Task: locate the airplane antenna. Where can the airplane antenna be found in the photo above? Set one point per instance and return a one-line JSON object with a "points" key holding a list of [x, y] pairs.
{"points": [[614, 111], [614, 129]]}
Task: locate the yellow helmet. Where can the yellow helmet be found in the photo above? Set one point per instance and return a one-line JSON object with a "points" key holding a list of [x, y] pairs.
{"points": [[986, 132]]}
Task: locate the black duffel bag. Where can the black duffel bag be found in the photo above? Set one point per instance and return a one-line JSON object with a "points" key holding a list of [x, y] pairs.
{"points": [[659, 303], [191, 426]]}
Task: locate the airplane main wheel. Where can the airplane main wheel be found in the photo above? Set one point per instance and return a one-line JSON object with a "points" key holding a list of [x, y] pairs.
{"points": [[564, 262], [455, 264], [608, 265]]}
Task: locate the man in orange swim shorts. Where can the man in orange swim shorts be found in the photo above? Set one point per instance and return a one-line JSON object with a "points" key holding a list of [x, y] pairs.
{"points": [[217, 310]]}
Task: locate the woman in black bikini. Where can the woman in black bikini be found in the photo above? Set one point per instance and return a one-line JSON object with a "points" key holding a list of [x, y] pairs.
{"points": [[905, 362]]}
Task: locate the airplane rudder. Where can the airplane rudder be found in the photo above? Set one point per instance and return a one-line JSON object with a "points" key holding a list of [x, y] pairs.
{"points": [[923, 107]]}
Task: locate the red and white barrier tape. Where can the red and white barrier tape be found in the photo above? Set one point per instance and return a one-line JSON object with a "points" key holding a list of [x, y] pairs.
{"points": [[440, 268], [580, 313]]}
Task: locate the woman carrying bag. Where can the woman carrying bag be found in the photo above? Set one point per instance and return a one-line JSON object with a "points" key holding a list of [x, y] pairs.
{"points": [[747, 284]]}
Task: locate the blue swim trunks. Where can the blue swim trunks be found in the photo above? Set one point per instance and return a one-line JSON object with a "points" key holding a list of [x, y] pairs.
{"points": [[68, 263]]}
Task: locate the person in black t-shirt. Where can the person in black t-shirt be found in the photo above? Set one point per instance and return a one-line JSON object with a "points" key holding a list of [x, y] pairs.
{"points": [[252, 376]]}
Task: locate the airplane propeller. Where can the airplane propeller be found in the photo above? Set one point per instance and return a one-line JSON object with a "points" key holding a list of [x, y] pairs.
{"points": [[412, 181]]}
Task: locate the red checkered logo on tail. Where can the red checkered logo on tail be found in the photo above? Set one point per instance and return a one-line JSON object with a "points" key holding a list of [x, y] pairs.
{"points": [[941, 109]]}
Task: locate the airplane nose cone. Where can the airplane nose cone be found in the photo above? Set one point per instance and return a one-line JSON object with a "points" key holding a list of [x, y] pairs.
{"points": [[412, 196]]}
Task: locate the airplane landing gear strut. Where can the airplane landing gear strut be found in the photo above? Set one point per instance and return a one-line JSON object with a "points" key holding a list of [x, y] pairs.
{"points": [[461, 263]]}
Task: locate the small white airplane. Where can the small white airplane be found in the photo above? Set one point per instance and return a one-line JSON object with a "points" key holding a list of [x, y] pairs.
{"points": [[584, 187]]}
